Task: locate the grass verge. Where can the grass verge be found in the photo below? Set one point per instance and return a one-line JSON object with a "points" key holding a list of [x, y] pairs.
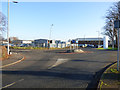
{"points": [[110, 78], [39, 48], [3, 53], [109, 48]]}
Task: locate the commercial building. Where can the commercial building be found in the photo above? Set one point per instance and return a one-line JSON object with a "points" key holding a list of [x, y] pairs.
{"points": [[19, 42], [40, 43], [93, 41], [52, 43]]}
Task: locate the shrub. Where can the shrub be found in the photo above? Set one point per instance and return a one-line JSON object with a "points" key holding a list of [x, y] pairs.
{"points": [[3, 53]]}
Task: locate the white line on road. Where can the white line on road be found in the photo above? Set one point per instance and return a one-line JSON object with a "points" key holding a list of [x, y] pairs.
{"points": [[13, 83], [58, 62]]}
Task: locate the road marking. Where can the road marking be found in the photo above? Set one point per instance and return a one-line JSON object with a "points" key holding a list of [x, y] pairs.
{"points": [[12, 83], [13, 63], [58, 62]]}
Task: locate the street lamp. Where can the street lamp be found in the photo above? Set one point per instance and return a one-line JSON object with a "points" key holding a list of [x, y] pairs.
{"points": [[98, 38], [50, 36], [8, 26]]}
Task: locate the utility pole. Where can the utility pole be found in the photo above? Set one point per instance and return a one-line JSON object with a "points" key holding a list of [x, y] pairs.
{"points": [[8, 48], [98, 38], [118, 35], [50, 36], [8, 28], [117, 26]]}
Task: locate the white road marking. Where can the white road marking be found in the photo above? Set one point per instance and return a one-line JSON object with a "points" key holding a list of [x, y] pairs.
{"points": [[12, 83], [58, 62], [12, 63]]}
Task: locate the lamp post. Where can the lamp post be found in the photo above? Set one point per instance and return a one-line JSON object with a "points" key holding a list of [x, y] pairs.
{"points": [[8, 28], [8, 48], [50, 36], [98, 38]]}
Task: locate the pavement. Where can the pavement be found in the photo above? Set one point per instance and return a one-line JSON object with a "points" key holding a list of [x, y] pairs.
{"points": [[110, 79], [14, 57], [53, 69]]}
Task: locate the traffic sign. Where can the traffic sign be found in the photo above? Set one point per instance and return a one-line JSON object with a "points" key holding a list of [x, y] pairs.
{"points": [[77, 41], [73, 41], [117, 24]]}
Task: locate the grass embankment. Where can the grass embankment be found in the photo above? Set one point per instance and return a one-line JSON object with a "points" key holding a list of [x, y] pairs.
{"points": [[3, 53], [39, 48], [110, 78], [109, 48]]}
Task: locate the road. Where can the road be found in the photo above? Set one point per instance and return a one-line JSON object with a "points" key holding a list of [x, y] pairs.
{"points": [[54, 69]]}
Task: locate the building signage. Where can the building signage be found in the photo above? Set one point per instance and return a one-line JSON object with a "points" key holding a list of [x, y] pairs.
{"points": [[73, 41]]}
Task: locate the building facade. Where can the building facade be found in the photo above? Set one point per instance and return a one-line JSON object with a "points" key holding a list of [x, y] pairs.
{"points": [[40, 43], [92, 41]]}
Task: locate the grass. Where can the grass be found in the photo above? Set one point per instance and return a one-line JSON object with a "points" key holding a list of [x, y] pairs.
{"points": [[109, 48], [39, 48], [110, 78], [3, 53]]}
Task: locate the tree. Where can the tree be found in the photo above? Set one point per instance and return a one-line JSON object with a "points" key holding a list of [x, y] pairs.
{"points": [[13, 39], [3, 22], [3, 25], [112, 15]]}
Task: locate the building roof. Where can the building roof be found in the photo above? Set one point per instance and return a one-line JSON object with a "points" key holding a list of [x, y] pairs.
{"points": [[89, 39]]}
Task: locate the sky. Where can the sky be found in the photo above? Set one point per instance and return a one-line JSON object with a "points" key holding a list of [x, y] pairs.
{"points": [[33, 20]]}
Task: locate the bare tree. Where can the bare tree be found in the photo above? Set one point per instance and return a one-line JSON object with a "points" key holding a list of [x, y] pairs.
{"points": [[112, 15], [3, 25], [3, 22]]}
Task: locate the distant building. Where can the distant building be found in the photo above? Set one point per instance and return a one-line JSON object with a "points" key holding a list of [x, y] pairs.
{"points": [[52, 43], [93, 41], [26, 41], [19, 42], [40, 43], [16, 42]]}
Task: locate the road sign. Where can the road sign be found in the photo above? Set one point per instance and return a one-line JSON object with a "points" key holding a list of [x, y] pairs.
{"points": [[73, 41], [76, 41], [116, 24]]}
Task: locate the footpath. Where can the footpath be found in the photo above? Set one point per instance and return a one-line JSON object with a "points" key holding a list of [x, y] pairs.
{"points": [[12, 59], [110, 79]]}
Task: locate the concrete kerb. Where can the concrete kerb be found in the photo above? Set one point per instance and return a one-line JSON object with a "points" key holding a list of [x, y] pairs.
{"points": [[18, 61], [106, 68]]}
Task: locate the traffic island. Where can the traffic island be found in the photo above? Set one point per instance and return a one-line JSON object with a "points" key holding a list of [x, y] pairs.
{"points": [[110, 79], [75, 51]]}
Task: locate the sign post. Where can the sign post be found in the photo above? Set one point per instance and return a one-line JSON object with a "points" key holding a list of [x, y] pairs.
{"points": [[73, 42], [77, 43], [117, 25], [70, 44]]}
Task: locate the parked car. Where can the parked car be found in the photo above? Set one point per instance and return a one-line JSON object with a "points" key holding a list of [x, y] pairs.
{"points": [[81, 45], [89, 45], [24, 45], [98, 46]]}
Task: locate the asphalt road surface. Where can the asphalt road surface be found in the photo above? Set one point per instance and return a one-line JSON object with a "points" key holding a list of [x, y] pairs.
{"points": [[56, 69]]}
